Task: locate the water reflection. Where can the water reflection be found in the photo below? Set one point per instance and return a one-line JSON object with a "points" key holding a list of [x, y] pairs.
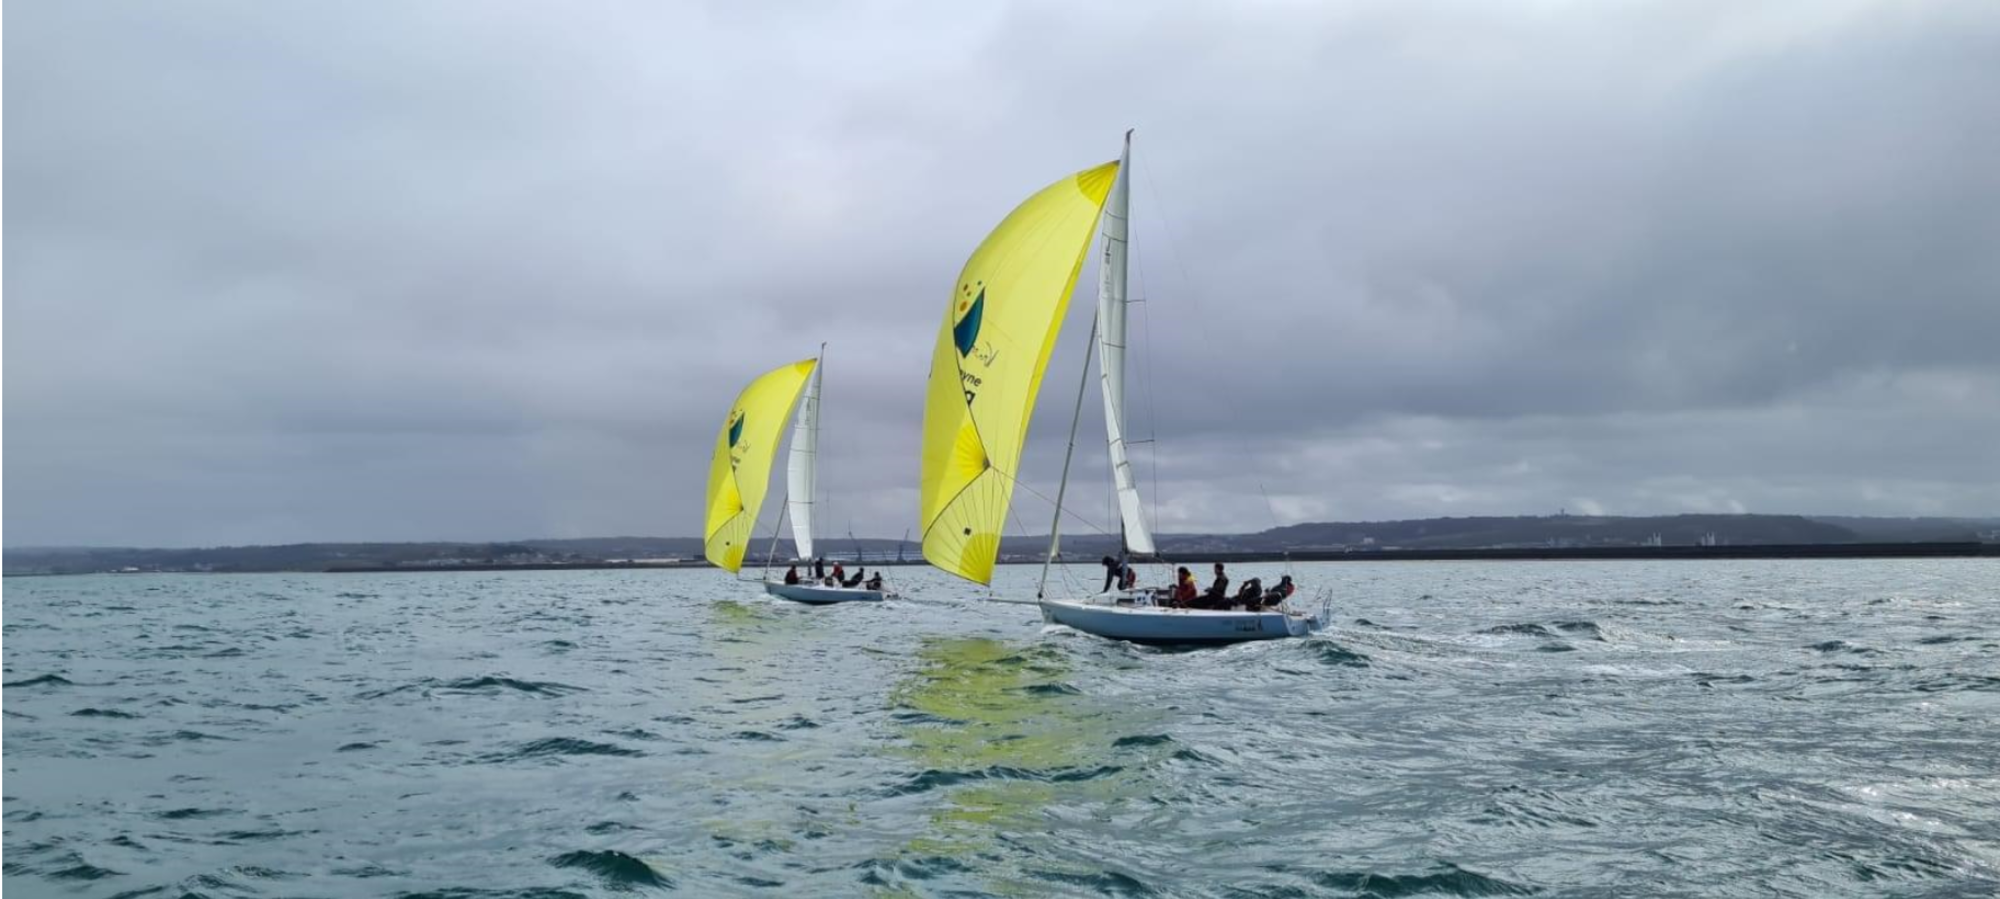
{"points": [[753, 697], [1002, 738]]}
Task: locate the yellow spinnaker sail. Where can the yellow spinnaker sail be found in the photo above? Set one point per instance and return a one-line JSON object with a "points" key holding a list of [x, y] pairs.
{"points": [[741, 466], [1005, 312]]}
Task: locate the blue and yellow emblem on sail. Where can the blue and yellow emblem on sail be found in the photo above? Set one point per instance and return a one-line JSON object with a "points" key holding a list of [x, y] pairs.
{"points": [[965, 334]]}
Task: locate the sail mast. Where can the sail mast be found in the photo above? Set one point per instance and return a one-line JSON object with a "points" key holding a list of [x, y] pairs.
{"points": [[1055, 527], [801, 468], [1113, 298]]}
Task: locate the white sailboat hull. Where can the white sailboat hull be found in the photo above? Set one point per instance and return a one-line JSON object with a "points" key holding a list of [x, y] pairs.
{"points": [[1141, 622], [818, 595]]}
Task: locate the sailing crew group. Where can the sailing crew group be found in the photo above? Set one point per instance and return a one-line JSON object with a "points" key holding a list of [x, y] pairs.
{"points": [[837, 578], [1185, 594]]}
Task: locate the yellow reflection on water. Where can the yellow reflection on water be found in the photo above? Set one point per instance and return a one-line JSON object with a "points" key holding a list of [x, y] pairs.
{"points": [[750, 691], [1002, 736]]}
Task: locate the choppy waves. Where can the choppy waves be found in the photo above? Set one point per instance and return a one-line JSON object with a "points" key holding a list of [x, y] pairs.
{"points": [[1549, 729]]}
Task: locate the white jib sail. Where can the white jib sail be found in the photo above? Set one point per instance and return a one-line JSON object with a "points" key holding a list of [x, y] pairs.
{"points": [[1111, 305], [800, 467]]}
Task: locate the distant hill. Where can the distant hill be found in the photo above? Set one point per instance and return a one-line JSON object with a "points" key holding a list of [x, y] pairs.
{"points": [[1560, 530], [1565, 531], [334, 556], [1905, 530], [1488, 532]]}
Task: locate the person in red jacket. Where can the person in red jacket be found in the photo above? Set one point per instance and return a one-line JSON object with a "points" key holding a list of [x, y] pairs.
{"points": [[1184, 590]]}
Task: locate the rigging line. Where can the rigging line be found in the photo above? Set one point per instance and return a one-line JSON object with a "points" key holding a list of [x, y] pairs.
{"points": [[1073, 514], [1069, 453], [1272, 510], [1022, 528], [748, 538], [1061, 569], [776, 528], [1173, 248]]}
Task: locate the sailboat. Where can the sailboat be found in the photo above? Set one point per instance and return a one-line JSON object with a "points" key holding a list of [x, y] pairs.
{"points": [[998, 335], [741, 467]]}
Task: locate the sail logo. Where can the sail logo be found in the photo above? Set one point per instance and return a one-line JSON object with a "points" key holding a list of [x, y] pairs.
{"points": [[971, 313], [965, 334], [736, 437]]}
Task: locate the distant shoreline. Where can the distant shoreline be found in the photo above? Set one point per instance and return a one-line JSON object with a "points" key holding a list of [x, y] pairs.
{"points": [[1916, 550], [1962, 549], [1505, 537], [1966, 549], [1509, 554]]}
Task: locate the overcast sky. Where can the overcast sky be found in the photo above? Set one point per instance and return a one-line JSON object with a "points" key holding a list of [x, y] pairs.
{"points": [[284, 272]]}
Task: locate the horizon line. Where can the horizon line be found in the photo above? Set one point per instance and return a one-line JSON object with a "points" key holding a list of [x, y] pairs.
{"points": [[918, 541]]}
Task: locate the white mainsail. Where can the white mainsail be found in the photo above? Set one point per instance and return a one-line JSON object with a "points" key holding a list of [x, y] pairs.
{"points": [[800, 467], [1111, 306]]}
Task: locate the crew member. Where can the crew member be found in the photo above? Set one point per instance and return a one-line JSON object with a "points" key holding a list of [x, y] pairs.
{"points": [[1218, 592], [1184, 588]]}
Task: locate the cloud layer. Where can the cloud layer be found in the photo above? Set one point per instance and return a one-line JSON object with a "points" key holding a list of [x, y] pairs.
{"points": [[280, 273]]}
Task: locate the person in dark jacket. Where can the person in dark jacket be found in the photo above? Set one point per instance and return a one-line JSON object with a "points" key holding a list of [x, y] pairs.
{"points": [[792, 575], [1279, 593], [860, 574], [1218, 592], [1117, 573]]}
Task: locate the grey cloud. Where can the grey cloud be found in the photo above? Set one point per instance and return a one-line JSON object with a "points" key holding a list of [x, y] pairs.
{"points": [[287, 273]]}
